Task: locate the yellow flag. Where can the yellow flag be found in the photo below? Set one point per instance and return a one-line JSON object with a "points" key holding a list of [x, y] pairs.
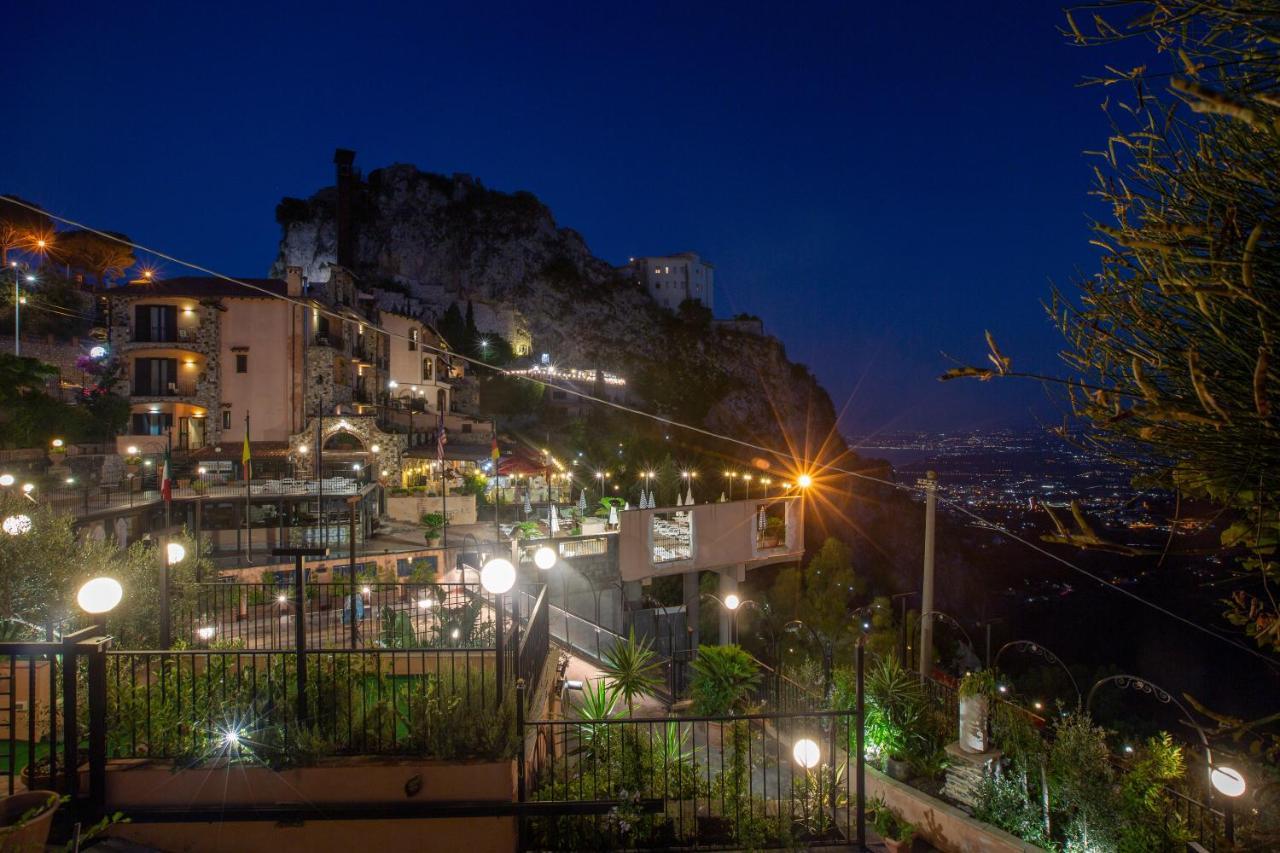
{"points": [[244, 456]]}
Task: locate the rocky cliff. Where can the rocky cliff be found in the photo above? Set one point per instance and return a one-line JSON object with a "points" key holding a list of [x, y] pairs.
{"points": [[425, 241]]}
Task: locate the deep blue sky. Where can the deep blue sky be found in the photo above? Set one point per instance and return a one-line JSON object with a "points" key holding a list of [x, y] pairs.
{"points": [[880, 182]]}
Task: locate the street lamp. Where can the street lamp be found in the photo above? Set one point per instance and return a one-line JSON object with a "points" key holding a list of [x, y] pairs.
{"points": [[544, 558], [175, 553], [100, 595], [729, 475], [746, 478], [497, 577], [804, 481], [6, 480]]}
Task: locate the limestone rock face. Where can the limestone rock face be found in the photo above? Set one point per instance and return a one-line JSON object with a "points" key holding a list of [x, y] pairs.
{"points": [[422, 242]]}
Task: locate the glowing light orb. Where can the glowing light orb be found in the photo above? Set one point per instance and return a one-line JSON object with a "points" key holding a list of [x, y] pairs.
{"points": [[16, 525], [1228, 781], [806, 753], [205, 632], [100, 595], [545, 557], [732, 601], [6, 480], [97, 352], [804, 481], [175, 552], [498, 576]]}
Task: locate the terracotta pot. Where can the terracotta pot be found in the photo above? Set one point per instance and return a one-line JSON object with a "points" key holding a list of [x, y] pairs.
{"points": [[32, 834], [894, 846]]}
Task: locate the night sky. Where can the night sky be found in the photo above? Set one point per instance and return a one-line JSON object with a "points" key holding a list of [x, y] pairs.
{"points": [[879, 183]]}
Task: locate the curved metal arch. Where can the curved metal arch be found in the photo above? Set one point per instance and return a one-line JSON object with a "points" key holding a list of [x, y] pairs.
{"points": [[1039, 650], [951, 620], [1142, 685]]}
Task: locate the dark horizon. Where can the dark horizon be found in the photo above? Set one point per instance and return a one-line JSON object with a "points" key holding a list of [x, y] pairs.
{"points": [[878, 191]]}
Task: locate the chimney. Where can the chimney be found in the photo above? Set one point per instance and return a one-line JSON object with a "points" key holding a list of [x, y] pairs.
{"points": [[293, 281], [343, 159]]}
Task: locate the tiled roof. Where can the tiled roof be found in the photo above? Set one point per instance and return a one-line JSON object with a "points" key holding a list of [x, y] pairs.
{"points": [[202, 286]]}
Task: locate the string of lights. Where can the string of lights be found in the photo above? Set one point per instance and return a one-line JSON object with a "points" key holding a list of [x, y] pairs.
{"points": [[787, 455]]}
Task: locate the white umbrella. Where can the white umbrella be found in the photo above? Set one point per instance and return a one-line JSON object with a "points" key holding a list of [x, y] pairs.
{"points": [[689, 500], [722, 498], [582, 501], [555, 521], [528, 506], [679, 499], [626, 505], [613, 515]]}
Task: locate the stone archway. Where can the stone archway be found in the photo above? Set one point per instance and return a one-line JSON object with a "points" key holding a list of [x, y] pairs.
{"points": [[352, 434]]}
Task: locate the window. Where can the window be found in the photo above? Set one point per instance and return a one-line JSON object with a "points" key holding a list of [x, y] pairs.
{"points": [[466, 427], [672, 536], [152, 423], [771, 525], [155, 377], [428, 369], [226, 419], [155, 323], [413, 339], [242, 362]]}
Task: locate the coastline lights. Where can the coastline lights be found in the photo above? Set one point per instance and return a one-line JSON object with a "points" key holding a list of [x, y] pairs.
{"points": [[806, 753], [545, 557], [498, 576], [100, 595]]}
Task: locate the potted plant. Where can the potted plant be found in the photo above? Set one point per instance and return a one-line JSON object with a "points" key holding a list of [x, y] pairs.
{"points": [[133, 464], [434, 522], [774, 530], [895, 715], [199, 486], [976, 691], [889, 825], [25, 820], [57, 452]]}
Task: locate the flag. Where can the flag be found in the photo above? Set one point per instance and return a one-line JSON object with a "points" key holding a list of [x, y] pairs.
{"points": [[166, 480], [441, 439], [494, 453], [245, 456]]}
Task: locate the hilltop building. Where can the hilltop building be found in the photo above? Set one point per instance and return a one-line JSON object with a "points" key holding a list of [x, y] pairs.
{"points": [[671, 279]]}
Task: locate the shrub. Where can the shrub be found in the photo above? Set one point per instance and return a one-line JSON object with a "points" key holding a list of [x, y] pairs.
{"points": [[724, 678]]}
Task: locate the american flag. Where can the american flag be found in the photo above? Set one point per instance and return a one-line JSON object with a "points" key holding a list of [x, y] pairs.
{"points": [[441, 439]]}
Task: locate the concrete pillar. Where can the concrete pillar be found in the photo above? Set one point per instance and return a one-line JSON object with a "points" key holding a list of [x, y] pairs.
{"points": [[692, 606], [632, 597], [728, 586]]}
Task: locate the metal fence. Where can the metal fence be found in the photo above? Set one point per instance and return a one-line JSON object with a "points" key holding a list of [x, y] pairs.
{"points": [[282, 706], [755, 781], [373, 614]]}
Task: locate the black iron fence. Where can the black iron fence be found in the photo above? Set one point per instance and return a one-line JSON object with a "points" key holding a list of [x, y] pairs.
{"points": [[51, 717], [283, 707], [534, 643], [759, 780], [368, 614]]}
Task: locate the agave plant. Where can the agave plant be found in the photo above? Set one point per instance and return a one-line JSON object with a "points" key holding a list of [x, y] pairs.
{"points": [[631, 670], [598, 704]]}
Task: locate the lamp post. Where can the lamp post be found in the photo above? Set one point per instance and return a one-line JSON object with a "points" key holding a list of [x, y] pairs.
{"points": [[173, 554], [930, 486], [497, 577], [731, 603], [1225, 780]]}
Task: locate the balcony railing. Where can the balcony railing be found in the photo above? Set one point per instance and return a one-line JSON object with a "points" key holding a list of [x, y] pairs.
{"points": [[181, 388]]}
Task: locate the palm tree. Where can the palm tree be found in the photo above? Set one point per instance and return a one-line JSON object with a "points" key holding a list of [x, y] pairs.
{"points": [[631, 670]]}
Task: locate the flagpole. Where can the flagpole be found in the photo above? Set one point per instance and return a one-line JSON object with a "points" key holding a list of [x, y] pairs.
{"points": [[444, 486], [168, 502], [246, 461]]}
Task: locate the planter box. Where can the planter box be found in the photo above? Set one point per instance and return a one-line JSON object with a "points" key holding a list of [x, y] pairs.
{"points": [[941, 824], [137, 785]]}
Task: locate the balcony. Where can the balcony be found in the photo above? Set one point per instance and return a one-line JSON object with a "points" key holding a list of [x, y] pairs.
{"points": [[182, 388]]}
